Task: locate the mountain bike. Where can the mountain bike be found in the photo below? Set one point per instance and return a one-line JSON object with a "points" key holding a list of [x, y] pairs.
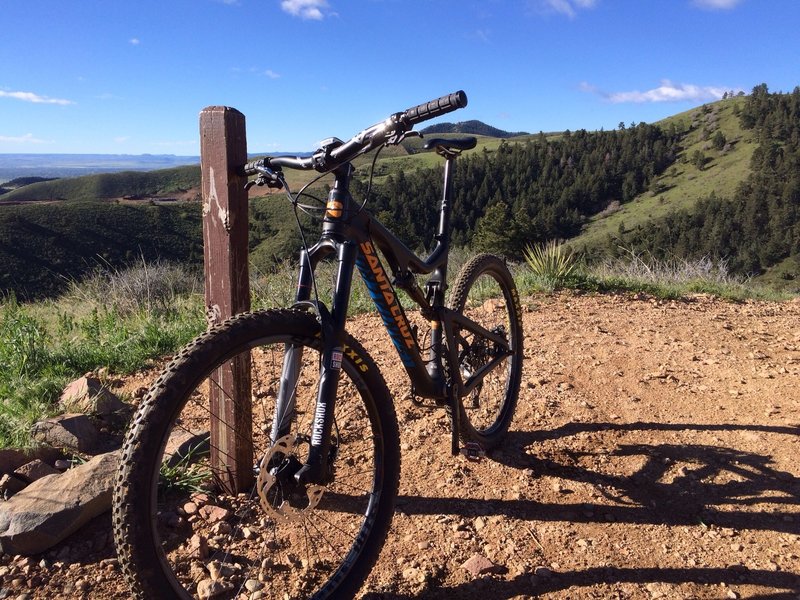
{"points": [[326, 458]]}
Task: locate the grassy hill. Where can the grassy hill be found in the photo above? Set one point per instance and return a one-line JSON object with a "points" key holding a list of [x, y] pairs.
{"points": [[684, 183], [110, 185]]}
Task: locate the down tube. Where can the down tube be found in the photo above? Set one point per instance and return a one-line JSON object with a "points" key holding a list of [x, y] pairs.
{"points": [[394, 318]]}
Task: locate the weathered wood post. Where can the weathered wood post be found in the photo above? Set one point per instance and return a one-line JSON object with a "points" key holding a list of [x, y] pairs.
{"points": [[223, 148]]}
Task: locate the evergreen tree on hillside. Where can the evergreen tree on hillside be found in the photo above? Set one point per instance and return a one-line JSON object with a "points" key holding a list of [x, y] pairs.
{"points": [[760, 225], [549, 187]]}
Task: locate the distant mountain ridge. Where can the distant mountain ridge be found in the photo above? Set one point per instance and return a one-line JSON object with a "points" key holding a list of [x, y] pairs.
{"points": [[13, 166], [473, 128]]}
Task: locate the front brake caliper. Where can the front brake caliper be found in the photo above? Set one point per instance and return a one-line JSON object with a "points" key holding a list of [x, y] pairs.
{"points": [[283, 512]]}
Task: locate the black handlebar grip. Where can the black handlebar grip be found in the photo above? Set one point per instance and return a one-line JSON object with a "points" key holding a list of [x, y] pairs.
{"points": [[435, 108], [252, 168]]}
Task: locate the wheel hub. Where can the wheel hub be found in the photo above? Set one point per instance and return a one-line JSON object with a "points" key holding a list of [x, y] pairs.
{"points": [[276, 474]]}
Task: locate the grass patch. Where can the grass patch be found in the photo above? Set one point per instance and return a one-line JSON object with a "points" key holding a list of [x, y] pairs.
{"points": [[45, 345]]}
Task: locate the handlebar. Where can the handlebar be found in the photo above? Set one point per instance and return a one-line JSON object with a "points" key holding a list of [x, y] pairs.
{"points": [[334, 152]]}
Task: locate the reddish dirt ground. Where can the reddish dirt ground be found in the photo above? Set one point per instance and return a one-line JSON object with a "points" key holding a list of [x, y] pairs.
{"points": [[654, 454]]}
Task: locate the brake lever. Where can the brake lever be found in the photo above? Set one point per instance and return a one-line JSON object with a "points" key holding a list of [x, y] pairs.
{"points": [[268, 177], [396, 138]]}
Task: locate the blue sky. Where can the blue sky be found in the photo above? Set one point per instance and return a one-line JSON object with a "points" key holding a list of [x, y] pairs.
{"points": [[100, 76]]}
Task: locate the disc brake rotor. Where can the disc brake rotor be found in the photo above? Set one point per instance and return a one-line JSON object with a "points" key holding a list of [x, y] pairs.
{"points": [[283, 512]]}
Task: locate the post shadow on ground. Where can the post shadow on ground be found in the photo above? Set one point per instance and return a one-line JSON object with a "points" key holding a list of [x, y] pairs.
{"points": [[643, 497]]}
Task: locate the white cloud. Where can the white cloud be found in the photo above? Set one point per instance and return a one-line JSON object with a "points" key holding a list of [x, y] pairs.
{"points": [[483, 35], [666, 92], [134, 41], [22, 139], [567, 7], [35, 98], [717, 4], [305, 9], [272, 74]]}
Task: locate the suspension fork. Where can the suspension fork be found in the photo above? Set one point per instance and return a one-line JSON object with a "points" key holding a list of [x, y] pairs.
{"points": [[317, 467]]}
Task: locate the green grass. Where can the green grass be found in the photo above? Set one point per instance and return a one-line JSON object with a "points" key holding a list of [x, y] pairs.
{"points": [[783, 276], [45, 345]]}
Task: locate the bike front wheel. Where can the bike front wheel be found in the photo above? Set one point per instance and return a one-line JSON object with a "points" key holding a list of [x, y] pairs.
{"points": [[179, 535], [484, 291]]}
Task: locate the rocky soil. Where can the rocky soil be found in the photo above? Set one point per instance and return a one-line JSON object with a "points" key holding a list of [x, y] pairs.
{"points": [[654, 455]]}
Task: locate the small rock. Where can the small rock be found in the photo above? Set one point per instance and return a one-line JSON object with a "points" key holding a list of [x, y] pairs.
{"points": [[253, 585], [36, 469], [10, 485], [198, 546], [190, 508], [772, 566], [219, 570], [480, 565], [208, 588], [89, 396], [214, 514], [46, 512], [73, 431], [543, 572], [221, 528]]}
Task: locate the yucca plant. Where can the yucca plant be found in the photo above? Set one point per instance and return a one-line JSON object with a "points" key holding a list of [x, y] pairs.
{"points": [[551, 262]]}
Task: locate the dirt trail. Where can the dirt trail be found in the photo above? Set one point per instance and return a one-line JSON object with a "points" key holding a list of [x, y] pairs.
{"points": [[654, 455]]}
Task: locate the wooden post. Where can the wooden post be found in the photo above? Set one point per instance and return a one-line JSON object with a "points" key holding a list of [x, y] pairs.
{"points": [[223, 148]]}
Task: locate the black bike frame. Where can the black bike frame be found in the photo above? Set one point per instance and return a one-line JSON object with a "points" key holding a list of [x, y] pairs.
{"points": [[353, 235]]}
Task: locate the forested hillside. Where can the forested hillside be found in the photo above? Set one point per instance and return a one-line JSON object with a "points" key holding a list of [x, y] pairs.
{"points": [[760, 225], [110, 185], [472, 128], [550, 188], [43, 246], [530, 192]]}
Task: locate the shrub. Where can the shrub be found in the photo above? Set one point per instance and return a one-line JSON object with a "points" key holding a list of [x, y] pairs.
{"points": [[553, 263]]}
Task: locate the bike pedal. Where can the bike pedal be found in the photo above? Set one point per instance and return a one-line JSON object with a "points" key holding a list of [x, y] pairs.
{"points": [[473, 451]]}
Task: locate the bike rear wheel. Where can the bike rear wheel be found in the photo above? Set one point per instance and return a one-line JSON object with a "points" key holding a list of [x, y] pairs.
{"points": [[485, 292], [178, 535]]}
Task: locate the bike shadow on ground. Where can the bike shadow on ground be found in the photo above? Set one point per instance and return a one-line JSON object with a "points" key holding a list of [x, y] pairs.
{"points": [[787, 585], [717, 485]]}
